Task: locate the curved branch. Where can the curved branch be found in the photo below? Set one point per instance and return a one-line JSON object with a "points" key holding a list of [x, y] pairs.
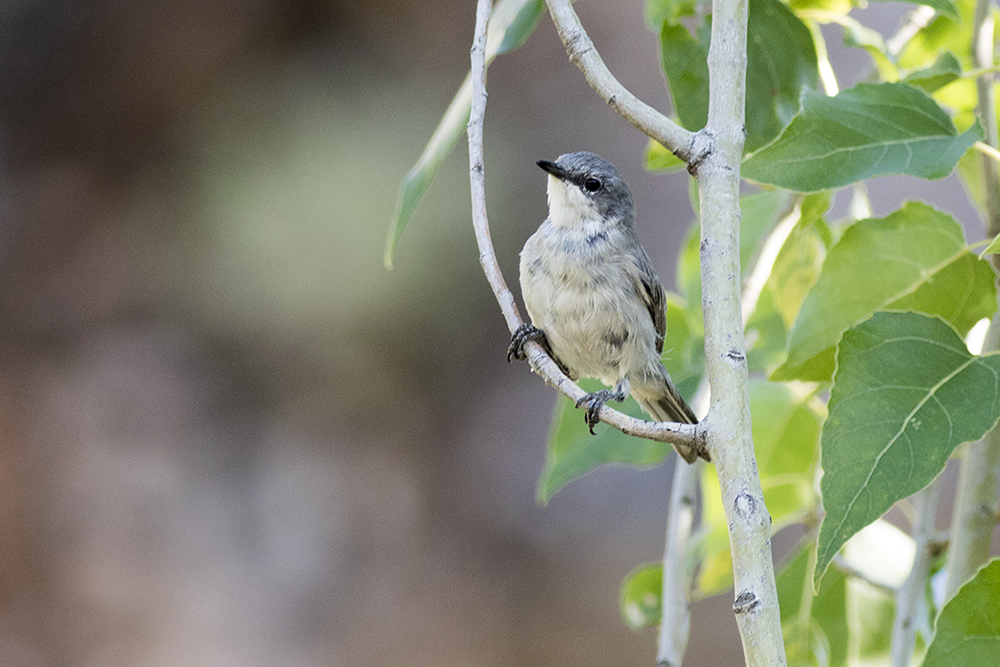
{"points": [[684, 435], [646, 119]]}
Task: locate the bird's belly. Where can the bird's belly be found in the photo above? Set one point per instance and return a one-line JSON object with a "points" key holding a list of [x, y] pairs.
{"points": [[593, 332]]}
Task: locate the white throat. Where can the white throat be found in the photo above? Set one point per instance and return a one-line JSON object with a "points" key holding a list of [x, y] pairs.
{"points": [[568, 207]]}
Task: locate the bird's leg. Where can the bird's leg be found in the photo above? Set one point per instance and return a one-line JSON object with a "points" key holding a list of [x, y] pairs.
{"points": [[523, 334], [596, 400], [529, 332]]}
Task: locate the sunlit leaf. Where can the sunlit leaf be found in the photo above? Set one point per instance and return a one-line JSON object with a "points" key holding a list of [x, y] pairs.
{"points": [[511, 24], [893, 423], [642, 597], [870, 130], [658, 158], [915, 258], [945, 69], [992, 248], [968, 628]]}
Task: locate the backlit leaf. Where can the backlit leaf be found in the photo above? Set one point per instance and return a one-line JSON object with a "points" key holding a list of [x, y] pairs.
{"points": [[867, 131], [915, 258]]}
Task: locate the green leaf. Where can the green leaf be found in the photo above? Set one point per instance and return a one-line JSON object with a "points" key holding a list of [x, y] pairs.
{"points": [[945, 69], [870, 130], [993, 248], [870, 614], [786, 427], [642, 597], [684, 346], [815, 626], [907, 392], [968, 628], [781, 61], [915, 258], [658, 11], [511, 24], [572, 451], [685, 62], [658, 158]]}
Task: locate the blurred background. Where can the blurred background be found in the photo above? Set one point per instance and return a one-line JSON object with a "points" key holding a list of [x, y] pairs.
{"points": [[227, 435]]}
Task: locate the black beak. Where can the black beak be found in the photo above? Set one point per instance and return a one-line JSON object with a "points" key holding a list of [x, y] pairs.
{"points": [[553, 168]]}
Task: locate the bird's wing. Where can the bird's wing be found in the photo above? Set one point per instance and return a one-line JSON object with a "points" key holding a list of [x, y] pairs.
{"points": [[651, 292]]}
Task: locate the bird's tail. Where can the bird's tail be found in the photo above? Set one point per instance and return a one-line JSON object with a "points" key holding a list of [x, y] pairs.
{"points": [[661, 400]]}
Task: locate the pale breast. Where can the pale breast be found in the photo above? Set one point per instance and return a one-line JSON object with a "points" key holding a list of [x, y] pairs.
{"points": [[582, 298]]}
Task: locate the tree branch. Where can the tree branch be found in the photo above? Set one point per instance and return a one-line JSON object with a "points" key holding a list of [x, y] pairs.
{"points": [[675, 614], [730, 439], [910, 596], [646, 119], [685, 435]]}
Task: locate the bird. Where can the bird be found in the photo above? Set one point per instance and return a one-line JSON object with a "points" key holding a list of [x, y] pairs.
{"points": [[595, 302]]}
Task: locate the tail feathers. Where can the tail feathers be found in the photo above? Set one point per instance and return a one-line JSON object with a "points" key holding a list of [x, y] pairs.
{"points": [[663, 403]]}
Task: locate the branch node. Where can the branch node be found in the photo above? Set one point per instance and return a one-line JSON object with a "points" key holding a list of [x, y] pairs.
{"points": [[701, 146], [745, 505], [745, 602]]}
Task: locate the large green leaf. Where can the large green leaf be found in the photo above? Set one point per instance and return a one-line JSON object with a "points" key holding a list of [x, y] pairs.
{"points": [[786, 427], [781, 61], [915, 258], [907, 392], [511, 24], [867, 131], [968, 628]]}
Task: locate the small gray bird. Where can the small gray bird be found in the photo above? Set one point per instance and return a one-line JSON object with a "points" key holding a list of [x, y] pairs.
{"points": [[594, 300]]}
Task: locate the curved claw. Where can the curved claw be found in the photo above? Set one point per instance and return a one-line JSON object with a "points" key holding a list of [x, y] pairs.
{"points": [[594, 402], [523, 334]]}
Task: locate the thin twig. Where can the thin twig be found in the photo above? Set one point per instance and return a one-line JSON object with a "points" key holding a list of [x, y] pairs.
{"points": [[847, 568], [684, 435], [675, 594], [646, 119], [910, 597]]}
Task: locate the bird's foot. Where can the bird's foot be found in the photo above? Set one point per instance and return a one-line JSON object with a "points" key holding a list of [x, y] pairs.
{"points": [[522, 335], [594, 401]]}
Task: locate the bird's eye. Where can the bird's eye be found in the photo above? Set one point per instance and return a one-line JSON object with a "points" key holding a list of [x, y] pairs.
{"points": [[592, 185]]}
